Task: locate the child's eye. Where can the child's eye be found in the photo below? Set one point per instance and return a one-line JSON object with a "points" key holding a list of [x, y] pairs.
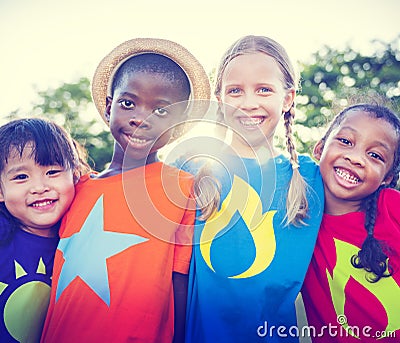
{"points": [[55, 171], [344, 141], [127, 104], [20, 177], [377, 156], [234, 91], [264, 90], [161, 112]]}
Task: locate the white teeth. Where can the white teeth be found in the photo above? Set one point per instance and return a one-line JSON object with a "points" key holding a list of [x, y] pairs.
{"points": [[251, 121], [347, 176], [41, 204], [138, 140]]}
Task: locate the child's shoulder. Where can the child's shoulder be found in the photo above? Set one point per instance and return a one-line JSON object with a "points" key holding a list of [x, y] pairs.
{"points": [[308, 166], [84, 178], [388, 207], [305, 159], [188, 164], [389, 198], [6, 227], [181, 171]]}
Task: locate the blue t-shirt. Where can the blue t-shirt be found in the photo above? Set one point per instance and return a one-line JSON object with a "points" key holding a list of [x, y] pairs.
{"points": [[248, 267], [26, 265]]}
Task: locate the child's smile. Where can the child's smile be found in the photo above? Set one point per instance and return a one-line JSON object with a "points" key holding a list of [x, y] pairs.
{"points": [[43, 204], [252, 122], [347, 176]]}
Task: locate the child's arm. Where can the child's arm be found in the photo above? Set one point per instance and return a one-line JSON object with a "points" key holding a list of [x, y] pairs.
{"points": [[180, 284]]}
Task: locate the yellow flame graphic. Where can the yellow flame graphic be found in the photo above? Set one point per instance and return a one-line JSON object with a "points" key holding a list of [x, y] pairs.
{"points": [[244, 199], [384, 290]]}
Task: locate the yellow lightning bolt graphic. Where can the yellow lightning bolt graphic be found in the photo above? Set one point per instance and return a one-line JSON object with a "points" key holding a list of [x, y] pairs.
{"points": [[385, 290]]}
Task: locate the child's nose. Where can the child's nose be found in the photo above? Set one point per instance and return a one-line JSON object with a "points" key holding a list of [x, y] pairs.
{"points": [[39, 186], [140, 118], [136, 122], [355, 157], [249, 101]]}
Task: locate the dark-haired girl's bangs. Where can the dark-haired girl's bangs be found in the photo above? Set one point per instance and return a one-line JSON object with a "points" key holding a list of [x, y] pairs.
{"points": [[53, 149]]}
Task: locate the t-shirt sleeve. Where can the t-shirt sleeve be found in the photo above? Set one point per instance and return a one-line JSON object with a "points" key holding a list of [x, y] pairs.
{"points": [[184, 239], [388, 202], [311, 173]]}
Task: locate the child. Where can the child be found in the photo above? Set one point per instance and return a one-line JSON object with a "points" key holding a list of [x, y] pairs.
{"points": [[252, 253], [39, 166], [125, 245], [351, 292]]}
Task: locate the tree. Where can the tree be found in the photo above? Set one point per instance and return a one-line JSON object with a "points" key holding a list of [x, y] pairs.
{"points": [[334, 76], [69, 106]]}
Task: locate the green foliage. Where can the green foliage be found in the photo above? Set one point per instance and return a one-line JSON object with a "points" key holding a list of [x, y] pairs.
{"points": [[334, 77], [68, 107]]}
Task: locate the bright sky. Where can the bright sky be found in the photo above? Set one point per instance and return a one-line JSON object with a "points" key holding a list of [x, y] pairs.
{"points": [[45, 43]]}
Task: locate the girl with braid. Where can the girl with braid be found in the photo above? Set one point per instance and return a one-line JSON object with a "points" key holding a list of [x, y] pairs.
{"points": [[255, 237], [351, 292]]}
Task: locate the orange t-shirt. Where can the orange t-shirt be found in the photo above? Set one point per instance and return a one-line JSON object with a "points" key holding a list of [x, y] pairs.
{"points": [[121, 240]]}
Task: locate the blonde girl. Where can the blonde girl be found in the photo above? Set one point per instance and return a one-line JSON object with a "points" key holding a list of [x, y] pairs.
{"points": [[255, 240]]}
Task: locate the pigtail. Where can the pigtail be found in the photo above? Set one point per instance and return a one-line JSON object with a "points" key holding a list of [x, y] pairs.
{"points": [[296, 202], [371, 257], [207, 192]]}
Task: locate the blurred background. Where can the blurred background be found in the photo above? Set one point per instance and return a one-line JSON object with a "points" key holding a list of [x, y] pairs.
{"points": [[50, 49]]}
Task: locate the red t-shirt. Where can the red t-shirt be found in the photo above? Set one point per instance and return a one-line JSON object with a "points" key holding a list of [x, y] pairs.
{"points": [[336, 294], [119, 246]]}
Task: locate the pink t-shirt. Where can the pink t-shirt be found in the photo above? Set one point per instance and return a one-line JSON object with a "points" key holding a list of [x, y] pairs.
{"points": [[338, 296]]}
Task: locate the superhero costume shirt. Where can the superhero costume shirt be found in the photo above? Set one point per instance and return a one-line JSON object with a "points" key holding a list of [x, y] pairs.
{"points": [[247, 266], [114, 264], [337, 295], [26, 263]]}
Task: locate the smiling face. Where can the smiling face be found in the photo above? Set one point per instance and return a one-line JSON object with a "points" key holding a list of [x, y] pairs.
{"points": [[143, 110], [355, 160], [253, 99], [38, 196]]}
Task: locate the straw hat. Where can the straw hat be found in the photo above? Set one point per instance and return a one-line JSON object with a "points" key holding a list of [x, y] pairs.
{"points": [[105, 71]]}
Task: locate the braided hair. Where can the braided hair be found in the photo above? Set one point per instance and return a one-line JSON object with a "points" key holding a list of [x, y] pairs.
{"points": [[373, 253]]}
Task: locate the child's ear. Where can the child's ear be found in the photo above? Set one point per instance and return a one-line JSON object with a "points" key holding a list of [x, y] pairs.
{"points": [[387, 180], [76, 176], [107, 111], [220, 113], [1, 196], [289, 99], [318, 148]]}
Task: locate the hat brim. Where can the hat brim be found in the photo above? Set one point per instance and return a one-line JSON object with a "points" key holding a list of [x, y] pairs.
{"points": [[101, 83]]}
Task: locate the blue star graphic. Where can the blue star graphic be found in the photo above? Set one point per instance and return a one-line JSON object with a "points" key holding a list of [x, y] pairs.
{"points": [[86, 251]]}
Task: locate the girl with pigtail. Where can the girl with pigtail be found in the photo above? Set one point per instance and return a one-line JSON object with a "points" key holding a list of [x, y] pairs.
{"points": [[352, 284], [259, 211]]}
